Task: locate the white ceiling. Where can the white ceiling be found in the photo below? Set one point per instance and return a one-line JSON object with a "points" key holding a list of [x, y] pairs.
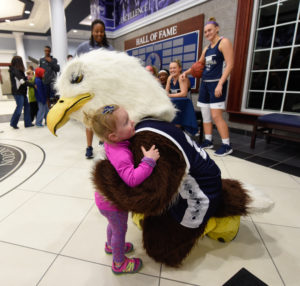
{"points": [[39, 20]]}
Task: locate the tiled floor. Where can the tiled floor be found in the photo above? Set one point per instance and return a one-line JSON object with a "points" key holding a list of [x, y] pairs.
{"points": [[52, 234]]}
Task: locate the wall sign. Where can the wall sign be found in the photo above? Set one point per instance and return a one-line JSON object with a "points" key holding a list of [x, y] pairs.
{"points": [[182, 41]]}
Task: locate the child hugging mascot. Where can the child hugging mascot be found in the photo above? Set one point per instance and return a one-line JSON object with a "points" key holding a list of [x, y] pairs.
{"points": [[185, 197]]}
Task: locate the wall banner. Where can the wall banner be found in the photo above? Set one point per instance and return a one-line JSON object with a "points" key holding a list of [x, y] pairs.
{"points": [[182, 41], [116, 14]]}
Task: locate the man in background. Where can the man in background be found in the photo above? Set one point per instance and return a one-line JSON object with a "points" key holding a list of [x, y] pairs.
{"points": [[51, 67]]}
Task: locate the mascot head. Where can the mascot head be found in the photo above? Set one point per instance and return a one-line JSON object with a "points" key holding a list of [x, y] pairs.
{"points": [[104, 77]]}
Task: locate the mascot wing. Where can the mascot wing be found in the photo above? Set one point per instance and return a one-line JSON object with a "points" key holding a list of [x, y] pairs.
{"points": [[103, 77]]}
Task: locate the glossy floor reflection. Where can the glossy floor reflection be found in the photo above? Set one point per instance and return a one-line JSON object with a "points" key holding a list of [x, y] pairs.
{"points": [[52, 234]]}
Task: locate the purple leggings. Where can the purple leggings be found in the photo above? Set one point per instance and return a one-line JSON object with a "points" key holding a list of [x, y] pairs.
{"points": [[116, 232]]}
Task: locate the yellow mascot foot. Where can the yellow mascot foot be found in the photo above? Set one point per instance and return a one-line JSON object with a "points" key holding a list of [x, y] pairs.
{"points": [[222, 229], [138, 220]]}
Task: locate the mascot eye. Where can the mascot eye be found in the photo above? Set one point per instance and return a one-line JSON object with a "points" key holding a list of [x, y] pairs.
{"points": [[77, 78]]}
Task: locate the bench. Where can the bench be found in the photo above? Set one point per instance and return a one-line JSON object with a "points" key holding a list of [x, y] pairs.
{"points": [[283, 122]]}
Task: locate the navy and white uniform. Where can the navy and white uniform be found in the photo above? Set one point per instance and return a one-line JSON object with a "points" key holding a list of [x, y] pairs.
{"points": [[201, 188], [214, 63], [174, 88]]}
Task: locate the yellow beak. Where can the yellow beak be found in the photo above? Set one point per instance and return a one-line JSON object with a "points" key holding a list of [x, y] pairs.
{"points": [[60, 113]]}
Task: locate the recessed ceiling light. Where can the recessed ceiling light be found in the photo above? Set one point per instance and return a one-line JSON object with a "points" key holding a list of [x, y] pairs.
{"points": [[75, 31], [90, 17], [27, 12], [31, 24], [7, 20]]}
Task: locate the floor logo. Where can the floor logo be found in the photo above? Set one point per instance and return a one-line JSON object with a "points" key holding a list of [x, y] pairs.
{"points": [[11, 159]]}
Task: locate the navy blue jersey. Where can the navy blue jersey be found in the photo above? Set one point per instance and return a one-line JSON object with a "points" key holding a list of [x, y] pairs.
{"points": [[174, 88], [201, 187], [214, 60]]}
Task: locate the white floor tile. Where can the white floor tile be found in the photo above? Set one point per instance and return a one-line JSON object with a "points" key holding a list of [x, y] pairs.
{"points": [[286, 209], [68, 271], [165, 282], [283, 245], [12, 201], [21, 265], [44, 175], [45, 222], [251, 173], [75, 182], [213, 263]]}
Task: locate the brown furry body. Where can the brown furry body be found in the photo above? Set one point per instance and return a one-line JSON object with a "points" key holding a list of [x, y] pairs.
{"points": [[164, 239]]}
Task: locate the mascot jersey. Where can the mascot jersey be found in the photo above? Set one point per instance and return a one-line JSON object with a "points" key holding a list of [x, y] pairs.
{"points": [[201, 187]]}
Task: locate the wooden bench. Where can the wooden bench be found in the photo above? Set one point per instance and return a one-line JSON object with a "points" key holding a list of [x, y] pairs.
{"points": [[283, 122]]}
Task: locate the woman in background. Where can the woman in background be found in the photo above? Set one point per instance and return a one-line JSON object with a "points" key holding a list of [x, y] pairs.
{"points": [[213, 90], [97, 40], [19, 85], [177, 86]]}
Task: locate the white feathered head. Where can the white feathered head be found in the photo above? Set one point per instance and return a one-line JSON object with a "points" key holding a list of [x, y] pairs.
{"points": [[104, 77]]}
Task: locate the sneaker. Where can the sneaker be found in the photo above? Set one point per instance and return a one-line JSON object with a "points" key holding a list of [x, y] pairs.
{"points": [[31, 125], [89, 152], [207, 144], [130, 265], [39, 125], [128, 248], [14, 127], [224, 150]]}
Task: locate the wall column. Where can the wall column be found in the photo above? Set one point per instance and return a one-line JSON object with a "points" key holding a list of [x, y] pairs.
{"points": [[20, 46], [58, 31]]}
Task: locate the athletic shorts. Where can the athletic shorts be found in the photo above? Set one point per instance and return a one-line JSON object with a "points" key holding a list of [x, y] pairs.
{"points": [[207, 95]]}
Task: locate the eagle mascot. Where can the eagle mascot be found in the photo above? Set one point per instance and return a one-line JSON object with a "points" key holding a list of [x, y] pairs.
{"points": [[185, 197]]}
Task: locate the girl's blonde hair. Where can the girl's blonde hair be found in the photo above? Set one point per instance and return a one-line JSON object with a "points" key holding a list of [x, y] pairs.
{"points": [[102, 121], [178, 62]]}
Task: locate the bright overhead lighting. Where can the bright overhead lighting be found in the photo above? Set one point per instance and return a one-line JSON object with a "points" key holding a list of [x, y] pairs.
{"points": [[75, 31], [7, 20], [27, 12], [31, 24], [90, 17]]}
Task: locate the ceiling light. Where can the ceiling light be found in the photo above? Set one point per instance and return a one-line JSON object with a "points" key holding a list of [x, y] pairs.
{"points": [[75, 31], [90, 17], [27, 12], [31, 24], [7, 20]]}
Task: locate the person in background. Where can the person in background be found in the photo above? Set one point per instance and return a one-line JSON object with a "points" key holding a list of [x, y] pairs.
{"points": [[19, 85], [31, 93], [112, 124], [177, 86], [41, 97], [69, 57], [213, 89], [163, 77], [51, 67], [97, 40]]}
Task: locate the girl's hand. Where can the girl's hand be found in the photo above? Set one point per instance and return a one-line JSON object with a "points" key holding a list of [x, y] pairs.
{"points": [[151, 153], [218, 90]]}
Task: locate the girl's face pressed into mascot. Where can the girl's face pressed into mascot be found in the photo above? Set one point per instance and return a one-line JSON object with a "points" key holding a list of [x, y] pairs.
{"points": [[124, 126]]}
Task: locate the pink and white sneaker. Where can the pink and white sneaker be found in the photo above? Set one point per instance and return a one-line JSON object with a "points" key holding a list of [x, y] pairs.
{"points": [[129, 266]]}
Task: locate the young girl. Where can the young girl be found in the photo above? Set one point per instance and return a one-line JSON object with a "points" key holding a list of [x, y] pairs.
{"points": [[112, 125]]}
